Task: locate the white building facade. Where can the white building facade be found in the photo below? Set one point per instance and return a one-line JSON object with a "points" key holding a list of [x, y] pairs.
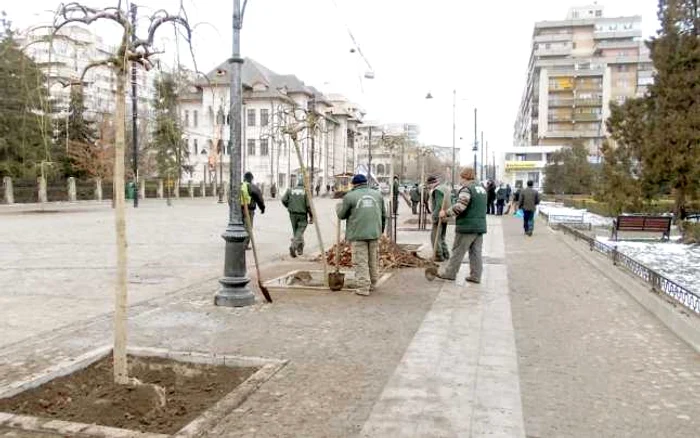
{"points": [[64, 57], [525, 163], [271, 104]]}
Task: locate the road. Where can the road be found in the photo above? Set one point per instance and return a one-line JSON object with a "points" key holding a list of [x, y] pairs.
{"points": [[58, 267]]}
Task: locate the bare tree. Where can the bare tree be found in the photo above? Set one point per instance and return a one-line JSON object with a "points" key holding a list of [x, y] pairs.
{"points": [[131, 49]]}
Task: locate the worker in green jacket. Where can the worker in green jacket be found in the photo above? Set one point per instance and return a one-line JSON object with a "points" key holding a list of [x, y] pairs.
{"points": [[439, 200], [470, 213], [363, 209], [297, 204]]}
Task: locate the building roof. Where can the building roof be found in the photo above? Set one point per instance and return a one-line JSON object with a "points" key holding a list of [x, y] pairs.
{"points": [[253, 73]]}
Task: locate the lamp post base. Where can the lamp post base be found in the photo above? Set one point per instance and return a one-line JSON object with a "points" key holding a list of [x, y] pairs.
{"points": [[234, 290]]}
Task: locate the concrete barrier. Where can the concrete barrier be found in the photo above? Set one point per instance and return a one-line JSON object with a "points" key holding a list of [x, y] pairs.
{"points": [[9, 192], [41, 182], [98, 189], [72, 192]]}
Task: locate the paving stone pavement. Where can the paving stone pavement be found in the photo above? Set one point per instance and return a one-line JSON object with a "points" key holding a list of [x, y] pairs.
{"points": [[57, 268], [459, 375], [593, 362]]}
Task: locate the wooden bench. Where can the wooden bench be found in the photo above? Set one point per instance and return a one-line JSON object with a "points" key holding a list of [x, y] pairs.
{"points": [[641, 223]]}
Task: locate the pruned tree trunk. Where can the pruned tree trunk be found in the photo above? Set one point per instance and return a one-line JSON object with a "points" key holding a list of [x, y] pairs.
{"points": [[307, 188], [121, 375]]}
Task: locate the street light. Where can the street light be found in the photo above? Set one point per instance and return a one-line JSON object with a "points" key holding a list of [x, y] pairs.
{"points": [[234, 290]]}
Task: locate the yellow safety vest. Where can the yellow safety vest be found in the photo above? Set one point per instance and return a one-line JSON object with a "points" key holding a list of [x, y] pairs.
{"points": [[246, 199]]}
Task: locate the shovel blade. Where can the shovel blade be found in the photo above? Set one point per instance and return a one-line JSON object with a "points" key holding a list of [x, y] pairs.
{"points": [[336, 280]]}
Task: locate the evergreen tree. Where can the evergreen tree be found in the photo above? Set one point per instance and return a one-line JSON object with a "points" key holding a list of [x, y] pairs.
{"points": [[25, 127], [671, 156], [74, 134], [569, 171], [171, 151]]}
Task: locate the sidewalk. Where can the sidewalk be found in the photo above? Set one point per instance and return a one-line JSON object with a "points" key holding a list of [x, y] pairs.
{"points": [[593, 362], [547, 346]]}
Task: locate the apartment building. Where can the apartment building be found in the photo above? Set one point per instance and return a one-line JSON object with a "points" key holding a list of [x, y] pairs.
{"points": [[63, 58], [577, 67], [271, 103]]}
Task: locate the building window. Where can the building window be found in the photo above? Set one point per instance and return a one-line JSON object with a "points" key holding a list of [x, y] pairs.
{"points": [[251, 147], [251, 117], [264, 147], [195, 117], [598, 13], [196, 147], [264, 117], [187, 119], [282, 180]]}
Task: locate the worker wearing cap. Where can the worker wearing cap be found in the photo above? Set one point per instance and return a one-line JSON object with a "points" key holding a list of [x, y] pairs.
{"points": [[470, 213], [363, 209], [252, 197], [439, 201], [297, 203]]}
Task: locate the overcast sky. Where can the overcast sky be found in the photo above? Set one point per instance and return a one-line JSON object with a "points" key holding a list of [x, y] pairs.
{"points": [[480, 49]]}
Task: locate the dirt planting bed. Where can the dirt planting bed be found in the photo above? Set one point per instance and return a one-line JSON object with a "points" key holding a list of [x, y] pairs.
{"points": [[91, 396], [391, 255]]}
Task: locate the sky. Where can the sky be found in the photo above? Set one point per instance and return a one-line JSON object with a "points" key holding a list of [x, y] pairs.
{"points": [[480, 49]]}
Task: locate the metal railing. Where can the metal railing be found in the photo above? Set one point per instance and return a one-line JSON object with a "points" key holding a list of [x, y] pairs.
{"points": [[658, 282]]}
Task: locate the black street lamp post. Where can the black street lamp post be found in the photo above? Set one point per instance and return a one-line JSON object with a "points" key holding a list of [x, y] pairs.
{"points": [[234, 290]]}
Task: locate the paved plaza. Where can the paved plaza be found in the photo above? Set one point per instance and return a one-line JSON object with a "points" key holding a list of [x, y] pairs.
{"points": [[549, 345]]}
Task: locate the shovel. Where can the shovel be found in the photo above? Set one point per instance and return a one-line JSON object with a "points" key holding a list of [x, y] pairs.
{"points": [[431, 271], [336, 279], [263, 289]]}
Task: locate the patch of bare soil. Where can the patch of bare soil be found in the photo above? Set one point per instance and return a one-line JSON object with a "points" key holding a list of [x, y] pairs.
{"points": [[91, 396]]}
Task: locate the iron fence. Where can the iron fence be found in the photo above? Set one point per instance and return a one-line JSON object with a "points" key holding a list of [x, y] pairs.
{"points": [[658, 282]]}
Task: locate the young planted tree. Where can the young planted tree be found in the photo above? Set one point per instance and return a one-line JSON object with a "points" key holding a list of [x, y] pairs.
{"points": [[171, 151], [130, 49], [25, 128]]}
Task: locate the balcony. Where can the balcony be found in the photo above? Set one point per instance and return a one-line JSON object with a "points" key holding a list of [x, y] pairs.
{"points": [[589, 87], [553, 51], [557, 37], [629, 33], [559, 118], [586, 117], [554, 103], [591, 101]]}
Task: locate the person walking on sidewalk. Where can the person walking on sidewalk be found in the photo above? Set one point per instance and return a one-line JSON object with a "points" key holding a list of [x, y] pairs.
{"points": [[501, 198], [415, 198], [440, 200], [395, 195], [470, 213], [297, 205], [363, 209], [255, 197], [490, 197], [529, 200]]}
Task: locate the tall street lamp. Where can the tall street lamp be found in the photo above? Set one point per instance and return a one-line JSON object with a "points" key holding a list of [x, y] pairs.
{"points": [[234, 290]]}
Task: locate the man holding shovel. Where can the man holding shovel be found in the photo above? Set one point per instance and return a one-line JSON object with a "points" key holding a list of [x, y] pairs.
{"points": [[364, 210], [297, 204], [440, 200], [470, 213]]}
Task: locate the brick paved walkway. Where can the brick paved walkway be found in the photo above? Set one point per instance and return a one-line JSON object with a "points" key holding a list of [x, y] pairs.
{"points": [[593, 362]]}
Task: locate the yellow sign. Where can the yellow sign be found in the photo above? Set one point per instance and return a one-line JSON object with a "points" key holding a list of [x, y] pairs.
{"points": [[520, 165]]}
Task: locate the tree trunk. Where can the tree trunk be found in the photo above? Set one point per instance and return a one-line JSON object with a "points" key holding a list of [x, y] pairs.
{"points": [[307, 187], [120, 366], [679, 205]]}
